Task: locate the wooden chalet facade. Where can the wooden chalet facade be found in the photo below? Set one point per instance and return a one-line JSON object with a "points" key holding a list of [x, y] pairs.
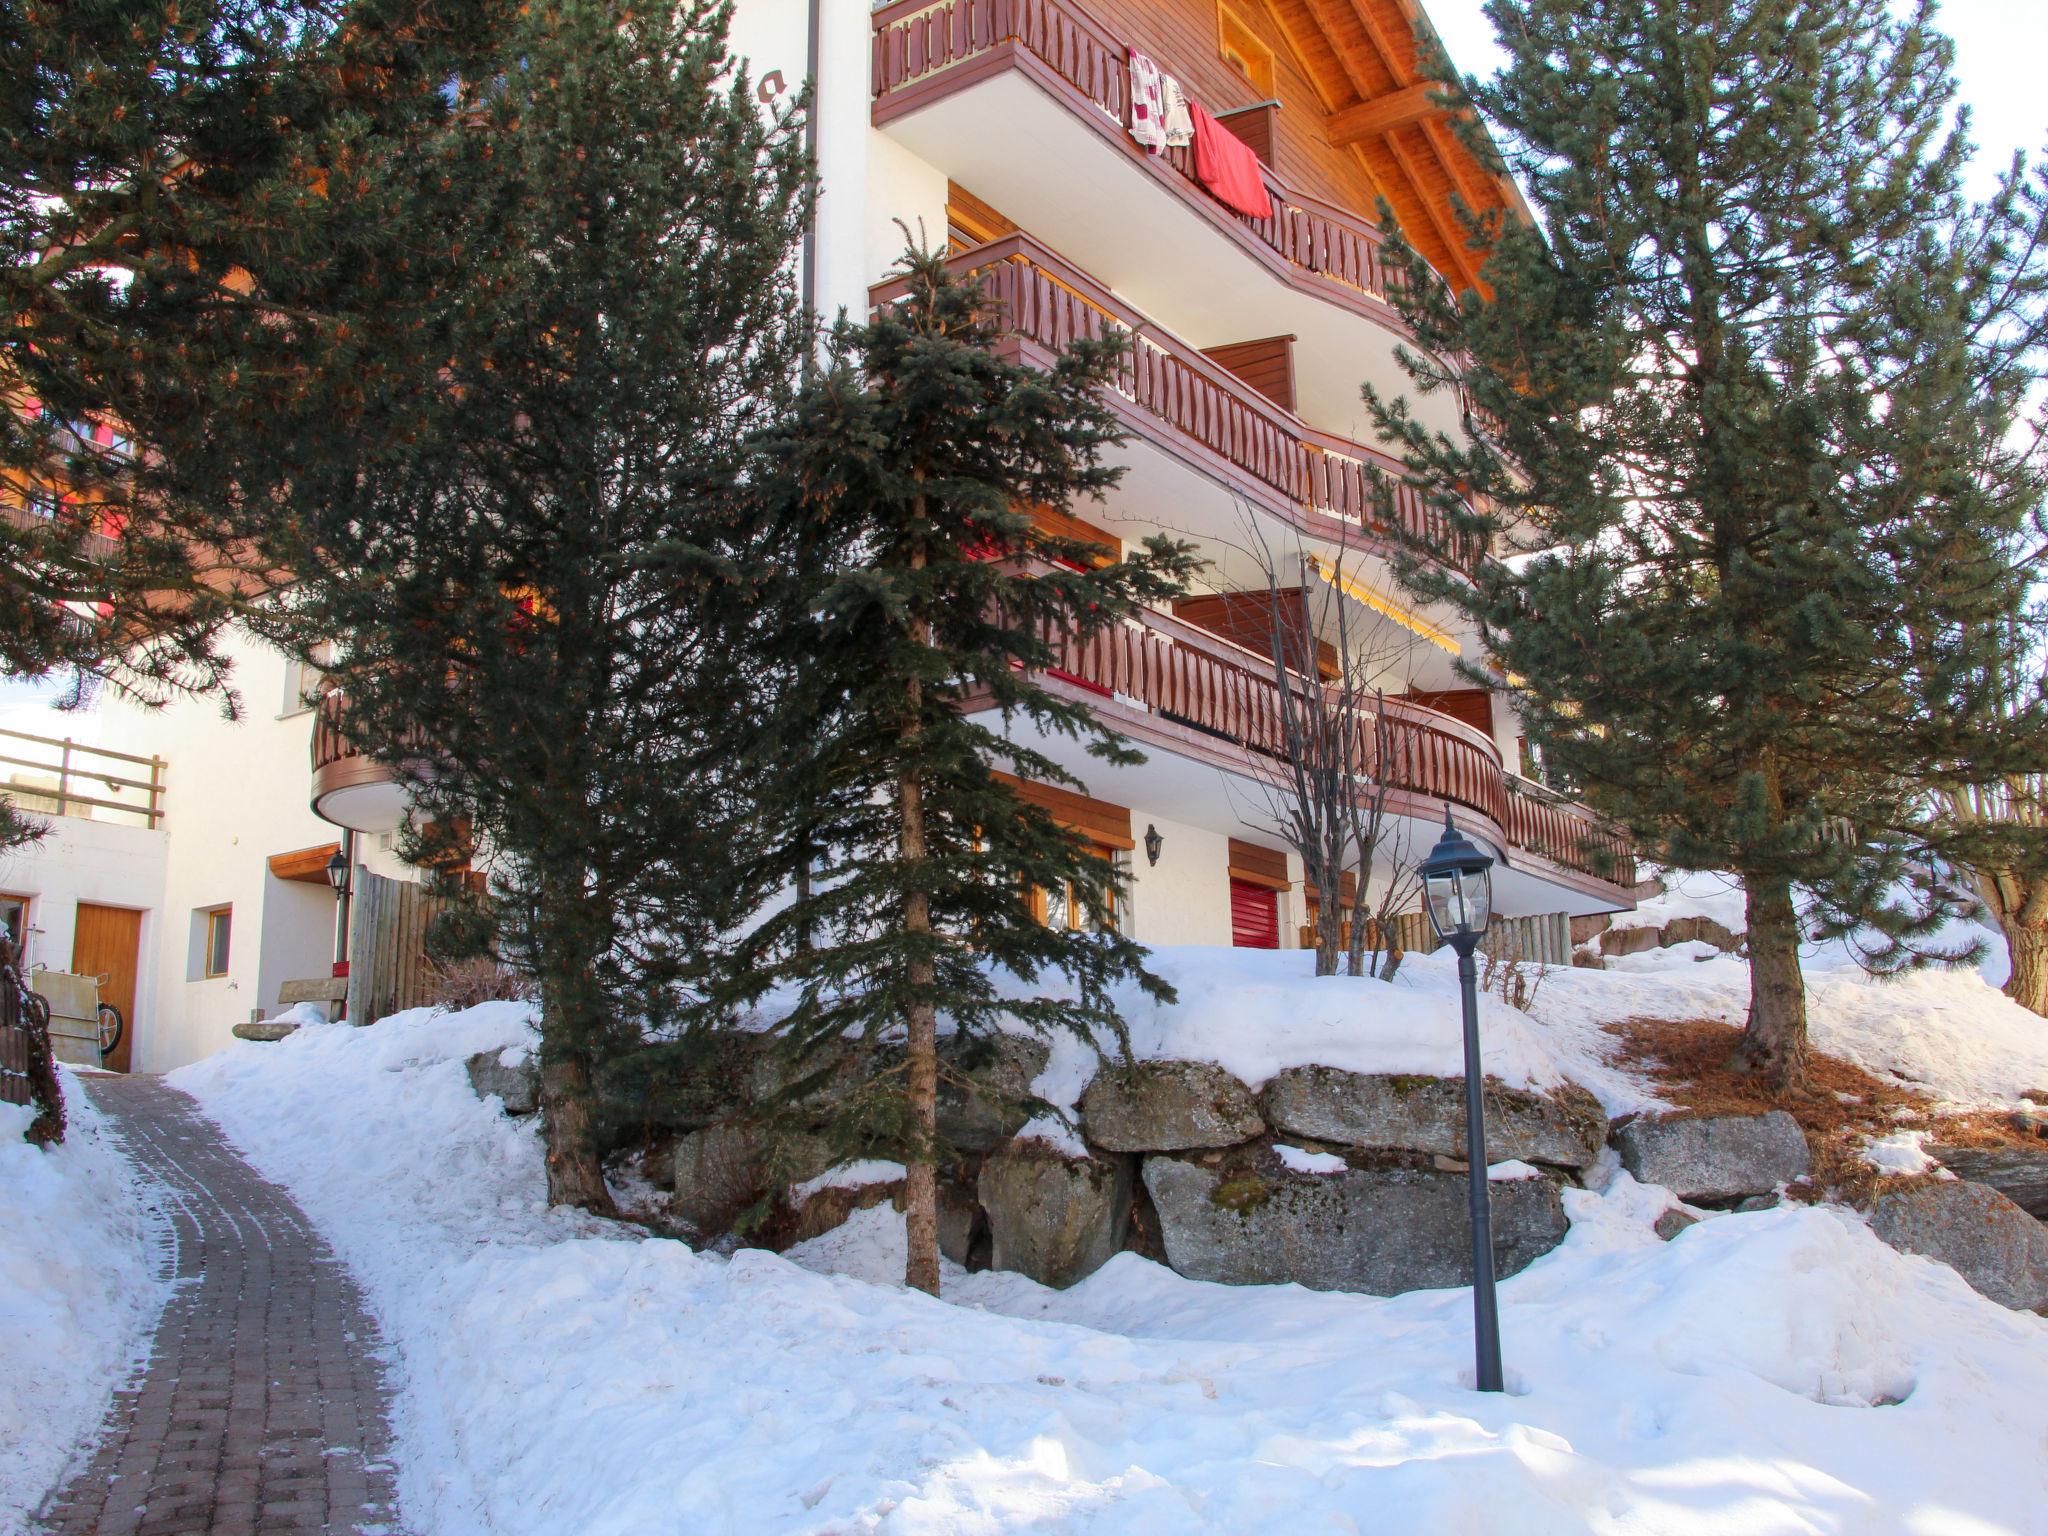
{"points": [[1008, 124]]}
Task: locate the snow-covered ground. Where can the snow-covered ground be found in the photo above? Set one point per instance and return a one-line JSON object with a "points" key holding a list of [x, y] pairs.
{"points": [[79, 1294], [1951, 1034], [1773, 1372]]}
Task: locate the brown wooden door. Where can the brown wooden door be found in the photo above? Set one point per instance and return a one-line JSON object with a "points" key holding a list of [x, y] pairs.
{"points": [[105, 943]]}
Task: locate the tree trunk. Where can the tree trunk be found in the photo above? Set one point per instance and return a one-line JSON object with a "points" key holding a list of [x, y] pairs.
{"points": [[569, 1122], [1329, 928], [920, 1182], [2028, 983], [1773, 1044], [920, 1019], [46, 1088]]}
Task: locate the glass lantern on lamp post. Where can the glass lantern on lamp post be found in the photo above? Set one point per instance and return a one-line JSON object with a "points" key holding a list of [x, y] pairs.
{"points": [[1457, 888]]}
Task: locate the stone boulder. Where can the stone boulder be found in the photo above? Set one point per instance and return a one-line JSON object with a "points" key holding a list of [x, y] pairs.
{"points": [[1700, 930], [1673, 1222], [1053, 1217], [1710, 1158], [1427, 1114], [1980, 1234], [1584, 930], [1381, 1231], [1629, 941], [725, 1168], [518, 1085], [2019, 1174], [684, 1086], [1168, 1106], [265, 1031], [982, 1121]]}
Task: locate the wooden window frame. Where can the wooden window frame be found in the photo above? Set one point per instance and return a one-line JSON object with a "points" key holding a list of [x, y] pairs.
{"points": [[1239, 45], [27, 909], [217, 918]]}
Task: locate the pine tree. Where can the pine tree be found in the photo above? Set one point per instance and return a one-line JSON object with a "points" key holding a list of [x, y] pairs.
{"points": [[920, 599], [1752, 380], [517, 528], [148, 153]]}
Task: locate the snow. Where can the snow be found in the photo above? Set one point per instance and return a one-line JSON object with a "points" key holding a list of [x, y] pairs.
{"points": [[1950, 1034], [1689, 893], [80, 1290], [1300, 1160], [1771, 1372], [1902, 1153], [858, 1175], [1256, 1013]]}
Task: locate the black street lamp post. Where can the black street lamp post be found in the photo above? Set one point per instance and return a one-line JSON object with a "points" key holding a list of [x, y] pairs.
{"points": [[1457, 885]]}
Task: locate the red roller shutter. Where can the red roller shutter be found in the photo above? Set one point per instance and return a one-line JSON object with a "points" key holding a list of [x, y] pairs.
{"points": [[1254, 916]]}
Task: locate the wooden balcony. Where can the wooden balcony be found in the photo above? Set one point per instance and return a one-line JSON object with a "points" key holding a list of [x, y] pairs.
{"points": [[1026, 104], [1181, 402], [350, 788], [56, 776], [1173, 687], [923, 51], [1568, 835]]}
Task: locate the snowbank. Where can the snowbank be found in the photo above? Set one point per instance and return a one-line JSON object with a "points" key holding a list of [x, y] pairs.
{"points": [[80, 1290], [1775, 1372], [1950, 1034]]}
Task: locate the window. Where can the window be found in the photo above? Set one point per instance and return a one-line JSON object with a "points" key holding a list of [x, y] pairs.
{"points": [[1243, 51], [301, 684], [218, 924], [1067, 906], [14, 920]]}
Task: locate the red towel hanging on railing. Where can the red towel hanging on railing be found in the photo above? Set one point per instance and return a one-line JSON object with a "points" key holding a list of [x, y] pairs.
{"points": [[1225, 164]]}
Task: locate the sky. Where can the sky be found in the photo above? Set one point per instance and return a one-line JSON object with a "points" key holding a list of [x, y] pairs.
{"points": [[2000, 47]]}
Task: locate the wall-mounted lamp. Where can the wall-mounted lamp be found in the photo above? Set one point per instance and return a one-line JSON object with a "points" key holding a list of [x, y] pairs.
{"points": [[1153, 843]]}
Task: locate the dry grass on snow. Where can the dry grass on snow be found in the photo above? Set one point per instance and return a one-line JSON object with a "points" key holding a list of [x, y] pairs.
{"points": [[1688, 1062]]}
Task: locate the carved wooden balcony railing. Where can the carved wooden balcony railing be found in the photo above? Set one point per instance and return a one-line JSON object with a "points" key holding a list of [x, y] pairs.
{"points": [[1193, 678], [1567, 834], [1172, 395], [923, 51], [339, 766], [1158, 669]]}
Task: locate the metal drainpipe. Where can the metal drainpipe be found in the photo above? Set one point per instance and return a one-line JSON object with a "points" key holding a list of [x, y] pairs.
{"points": [[810, 264]]}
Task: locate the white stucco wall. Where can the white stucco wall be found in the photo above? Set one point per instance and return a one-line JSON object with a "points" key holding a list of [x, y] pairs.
{"points": [[234, 794], [100, 862], [1185, 899]]}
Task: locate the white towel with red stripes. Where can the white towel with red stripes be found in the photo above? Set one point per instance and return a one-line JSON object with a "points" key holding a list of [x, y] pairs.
{"points": [[1159, 108]]}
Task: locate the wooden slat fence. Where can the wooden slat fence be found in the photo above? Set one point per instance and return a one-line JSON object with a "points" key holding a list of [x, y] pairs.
{"points": [[13, 1055], [387, 946]]}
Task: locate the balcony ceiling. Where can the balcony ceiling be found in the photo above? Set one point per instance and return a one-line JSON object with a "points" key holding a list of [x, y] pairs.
{"points": [[1361, 57]]}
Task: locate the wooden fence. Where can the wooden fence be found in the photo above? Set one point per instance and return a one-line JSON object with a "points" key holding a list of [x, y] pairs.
{"points": [[13, 1060], [387, 948]]}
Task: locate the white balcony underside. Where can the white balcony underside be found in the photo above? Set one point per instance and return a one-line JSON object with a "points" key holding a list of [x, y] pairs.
{"points": [[376, 807]]}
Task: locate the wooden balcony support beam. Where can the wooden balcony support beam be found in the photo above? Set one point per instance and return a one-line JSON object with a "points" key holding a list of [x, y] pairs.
{"points": [[1382, 115]]}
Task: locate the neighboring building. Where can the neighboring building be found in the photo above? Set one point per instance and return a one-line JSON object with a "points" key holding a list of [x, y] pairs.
{"points": [[200, 900], [1005, 125]]}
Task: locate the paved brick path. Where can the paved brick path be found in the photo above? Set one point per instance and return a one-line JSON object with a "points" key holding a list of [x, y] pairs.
{"points": [[263, 1408]]}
